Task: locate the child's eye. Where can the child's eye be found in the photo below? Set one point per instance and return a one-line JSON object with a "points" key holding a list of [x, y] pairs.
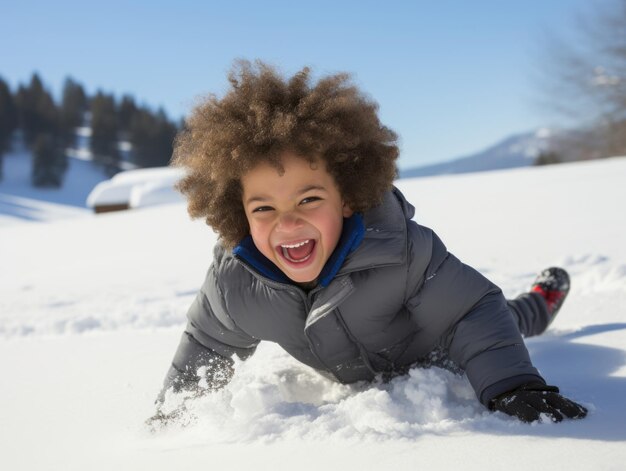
{"points": [[262, 209], [310, 199]]}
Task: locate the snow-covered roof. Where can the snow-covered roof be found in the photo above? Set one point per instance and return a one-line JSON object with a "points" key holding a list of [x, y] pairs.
{"points": [[138, 188]]}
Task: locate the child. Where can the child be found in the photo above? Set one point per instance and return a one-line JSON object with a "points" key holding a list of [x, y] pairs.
{"points": [[319, 254]]}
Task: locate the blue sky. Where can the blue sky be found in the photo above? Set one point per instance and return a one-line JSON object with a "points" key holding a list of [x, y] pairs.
{"points": [[451, 77]]}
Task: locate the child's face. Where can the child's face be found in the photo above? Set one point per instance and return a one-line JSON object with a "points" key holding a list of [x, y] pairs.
{"points": [[295, 219]]}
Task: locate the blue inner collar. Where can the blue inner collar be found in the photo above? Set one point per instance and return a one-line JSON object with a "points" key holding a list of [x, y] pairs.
{"points": [[351, 236]]}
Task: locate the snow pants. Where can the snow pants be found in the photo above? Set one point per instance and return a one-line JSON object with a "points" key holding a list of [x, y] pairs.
{"points": [[530, 313]]}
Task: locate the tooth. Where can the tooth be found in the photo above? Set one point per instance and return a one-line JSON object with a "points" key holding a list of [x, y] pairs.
{"points": [[293, 246]]}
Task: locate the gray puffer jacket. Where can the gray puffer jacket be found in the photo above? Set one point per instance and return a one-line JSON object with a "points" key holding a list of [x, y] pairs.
{"points": [[397, 296]]}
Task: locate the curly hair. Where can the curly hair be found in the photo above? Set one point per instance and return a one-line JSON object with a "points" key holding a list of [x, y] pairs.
{"points": [[264, 115]]}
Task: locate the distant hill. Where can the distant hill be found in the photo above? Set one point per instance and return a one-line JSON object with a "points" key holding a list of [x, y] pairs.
{"points": [[519, 150]]}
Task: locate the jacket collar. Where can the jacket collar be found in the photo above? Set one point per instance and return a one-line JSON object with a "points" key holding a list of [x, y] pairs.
{"points": [[351, 236], [385, 239], [378, 238]]}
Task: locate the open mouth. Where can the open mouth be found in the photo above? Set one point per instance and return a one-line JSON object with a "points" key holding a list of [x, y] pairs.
{"points": [[298, 252]]}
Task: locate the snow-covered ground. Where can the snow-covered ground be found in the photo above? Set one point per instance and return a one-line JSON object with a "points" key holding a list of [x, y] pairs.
{"points": [[92, 307], [20, 201]]}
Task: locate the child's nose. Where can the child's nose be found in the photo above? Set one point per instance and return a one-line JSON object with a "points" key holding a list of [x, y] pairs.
{"points": [[288, 222]]}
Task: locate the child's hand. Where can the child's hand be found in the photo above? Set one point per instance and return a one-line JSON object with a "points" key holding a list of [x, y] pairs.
{"points": [[161, 420], [180, 416], [176, 410], [530, 400]]}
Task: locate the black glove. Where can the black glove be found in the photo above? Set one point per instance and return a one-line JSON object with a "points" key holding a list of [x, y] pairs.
{"points": [[529, 400]]}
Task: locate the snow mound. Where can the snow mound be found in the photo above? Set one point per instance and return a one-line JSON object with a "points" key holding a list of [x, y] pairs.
{"points": [[138, 188], [293, 402]]}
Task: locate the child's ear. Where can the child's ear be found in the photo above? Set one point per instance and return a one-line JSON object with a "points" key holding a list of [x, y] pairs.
{"points": [[347, 211]]}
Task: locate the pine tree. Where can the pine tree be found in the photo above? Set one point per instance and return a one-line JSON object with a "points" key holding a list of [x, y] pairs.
{"points": [[38, 118], [8, 120], [8, 116], [152, 138], [125, 113], [74, 104], [104, 132], [48, 161], [37, 112]]}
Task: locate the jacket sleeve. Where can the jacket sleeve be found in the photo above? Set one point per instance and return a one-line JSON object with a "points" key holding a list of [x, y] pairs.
{"points": [[487, 344], [459, 308], [210, 324], [208, 343], [193, 362]]}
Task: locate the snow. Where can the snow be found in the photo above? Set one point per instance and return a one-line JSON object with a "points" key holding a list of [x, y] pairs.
{"points": [[20, 201], [92, 308]]}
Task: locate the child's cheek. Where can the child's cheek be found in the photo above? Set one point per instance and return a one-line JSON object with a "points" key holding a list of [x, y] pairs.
{"points": [[261, 240]]}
